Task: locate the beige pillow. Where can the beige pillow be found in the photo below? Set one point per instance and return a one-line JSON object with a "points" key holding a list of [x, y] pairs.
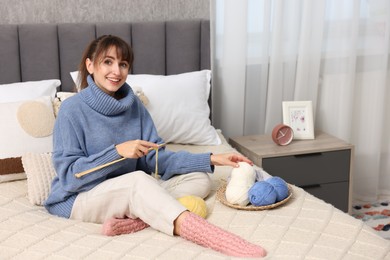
{"points": [[61, 96], [40, 173]]}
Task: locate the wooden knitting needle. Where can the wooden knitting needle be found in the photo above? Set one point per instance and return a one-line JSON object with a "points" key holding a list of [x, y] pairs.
{"points": [[80, 174]]}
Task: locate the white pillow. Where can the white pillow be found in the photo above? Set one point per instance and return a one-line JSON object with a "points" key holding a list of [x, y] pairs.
{"points": [[76, 80], [28, 90], [178, 105], [22, 133]]}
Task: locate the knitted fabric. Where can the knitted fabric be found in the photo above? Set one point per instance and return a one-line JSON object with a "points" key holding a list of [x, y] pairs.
{"points": [[262, 193], [36, 119], [194, 204], [117, 226], [88, 126], [280, 186], [201, 232], [40, 173], [241, 180]]}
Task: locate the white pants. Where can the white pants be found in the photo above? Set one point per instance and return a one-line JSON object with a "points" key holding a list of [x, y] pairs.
{"points": [[139, 195]]}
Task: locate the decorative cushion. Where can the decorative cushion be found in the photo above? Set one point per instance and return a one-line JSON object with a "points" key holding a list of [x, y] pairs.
{"points": [[178, 105], [26, 126], [12, 136], [28, 90], [61, 96], [40, 173]]}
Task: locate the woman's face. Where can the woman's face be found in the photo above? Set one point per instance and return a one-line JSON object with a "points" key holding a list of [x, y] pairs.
{"points": [[110, 72]]}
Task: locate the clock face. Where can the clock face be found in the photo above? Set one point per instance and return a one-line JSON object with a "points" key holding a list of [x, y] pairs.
{"points": [[282, 134]]}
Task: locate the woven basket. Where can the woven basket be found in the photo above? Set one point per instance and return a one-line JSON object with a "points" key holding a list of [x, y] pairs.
{"points": [[222, 198]]}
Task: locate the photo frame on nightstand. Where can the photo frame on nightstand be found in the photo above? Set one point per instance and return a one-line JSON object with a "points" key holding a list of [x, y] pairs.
{"points": [[299, 116]]}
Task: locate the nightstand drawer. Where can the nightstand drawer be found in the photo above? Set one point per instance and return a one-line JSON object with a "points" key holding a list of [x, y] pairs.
{"points": [[310, 169], [333, 193]]}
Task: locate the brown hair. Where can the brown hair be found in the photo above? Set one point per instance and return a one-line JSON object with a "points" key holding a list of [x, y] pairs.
{"points": [[98, 48]]}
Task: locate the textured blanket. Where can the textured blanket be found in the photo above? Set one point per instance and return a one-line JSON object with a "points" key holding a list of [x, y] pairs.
{"points": [[303, 228]]}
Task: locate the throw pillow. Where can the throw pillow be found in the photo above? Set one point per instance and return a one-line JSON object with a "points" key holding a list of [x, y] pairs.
{"points": [[27, 126], [40, 173]]}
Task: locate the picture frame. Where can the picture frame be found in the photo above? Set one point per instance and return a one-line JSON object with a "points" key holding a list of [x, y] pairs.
{"points": [[299, 116]]}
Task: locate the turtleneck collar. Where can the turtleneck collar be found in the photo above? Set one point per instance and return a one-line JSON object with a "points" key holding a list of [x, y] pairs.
{"points": [[105, 104]]}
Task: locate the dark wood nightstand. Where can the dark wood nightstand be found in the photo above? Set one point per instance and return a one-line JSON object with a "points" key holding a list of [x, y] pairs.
{"points": [[323, 166]]}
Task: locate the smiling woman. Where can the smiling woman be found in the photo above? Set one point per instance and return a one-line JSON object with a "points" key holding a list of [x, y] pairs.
{"points": [[108, 59], [106, 124]]}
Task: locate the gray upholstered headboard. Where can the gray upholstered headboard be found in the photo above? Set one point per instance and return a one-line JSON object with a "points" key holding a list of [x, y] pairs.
{"points": [[51, 51]]}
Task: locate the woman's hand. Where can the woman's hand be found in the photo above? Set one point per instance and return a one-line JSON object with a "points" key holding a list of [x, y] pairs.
{"points": [[228, 159], [135, 148]]}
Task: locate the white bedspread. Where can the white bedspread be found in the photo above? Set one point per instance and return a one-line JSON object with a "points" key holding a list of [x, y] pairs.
{"points": [[303, 228]]}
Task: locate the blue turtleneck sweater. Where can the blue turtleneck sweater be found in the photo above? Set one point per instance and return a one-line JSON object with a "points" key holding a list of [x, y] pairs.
{"points": [[88, 127]]}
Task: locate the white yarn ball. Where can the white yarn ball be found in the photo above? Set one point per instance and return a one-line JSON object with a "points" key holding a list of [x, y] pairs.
{"points": [[241, 180]]}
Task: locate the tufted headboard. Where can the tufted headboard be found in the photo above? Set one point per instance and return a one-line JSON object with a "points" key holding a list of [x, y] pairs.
{"points": [[51, 51]]}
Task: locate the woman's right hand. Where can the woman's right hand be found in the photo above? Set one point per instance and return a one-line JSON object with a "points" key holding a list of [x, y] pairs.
{"points": [[135, 148]]}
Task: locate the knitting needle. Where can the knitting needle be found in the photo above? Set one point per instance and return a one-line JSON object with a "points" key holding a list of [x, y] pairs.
{"points": [[80, 174]]}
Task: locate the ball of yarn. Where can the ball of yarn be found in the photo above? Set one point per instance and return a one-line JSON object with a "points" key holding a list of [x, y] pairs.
{"points": [[241, 180], [280, 186], [262, 193], [194, 204]]}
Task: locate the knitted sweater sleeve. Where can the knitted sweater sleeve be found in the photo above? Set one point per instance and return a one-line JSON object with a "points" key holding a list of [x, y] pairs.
{"points": [[69, 158]]}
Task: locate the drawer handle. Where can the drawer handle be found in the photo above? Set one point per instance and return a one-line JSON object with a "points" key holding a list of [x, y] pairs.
{"points": [[307, 155], [310, 186]]}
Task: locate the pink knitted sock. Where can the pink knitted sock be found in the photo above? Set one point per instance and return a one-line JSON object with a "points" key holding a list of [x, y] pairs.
{"points": [[120, 226], [201, 232]]}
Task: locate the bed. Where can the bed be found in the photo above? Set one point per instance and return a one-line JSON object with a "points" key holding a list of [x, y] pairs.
{"points": [[174, 52]]}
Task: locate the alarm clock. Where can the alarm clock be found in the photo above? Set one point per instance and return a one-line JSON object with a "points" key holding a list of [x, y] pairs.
{"points": [[282, 134]]}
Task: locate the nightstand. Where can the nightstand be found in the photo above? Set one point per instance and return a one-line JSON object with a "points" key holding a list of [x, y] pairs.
{"points": [[322, 167]]}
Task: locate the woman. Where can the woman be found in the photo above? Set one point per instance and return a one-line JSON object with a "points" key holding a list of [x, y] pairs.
{"points": [[106, 122]]}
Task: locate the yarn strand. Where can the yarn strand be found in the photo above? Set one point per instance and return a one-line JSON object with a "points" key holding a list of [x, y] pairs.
{"points": [[156, 169]]}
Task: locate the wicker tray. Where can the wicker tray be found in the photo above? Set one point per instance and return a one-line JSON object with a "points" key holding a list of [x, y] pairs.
{"points": [[222, 198]]}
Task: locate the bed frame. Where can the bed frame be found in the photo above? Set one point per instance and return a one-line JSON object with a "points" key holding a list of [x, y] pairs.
{"points": [[161, 48]]}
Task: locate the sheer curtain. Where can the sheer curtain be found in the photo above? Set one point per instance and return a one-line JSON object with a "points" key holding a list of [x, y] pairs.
{"points": [[332, 52]]}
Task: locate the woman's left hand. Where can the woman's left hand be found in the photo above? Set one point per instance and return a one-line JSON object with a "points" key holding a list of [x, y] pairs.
{"points": [[228, 159]]}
